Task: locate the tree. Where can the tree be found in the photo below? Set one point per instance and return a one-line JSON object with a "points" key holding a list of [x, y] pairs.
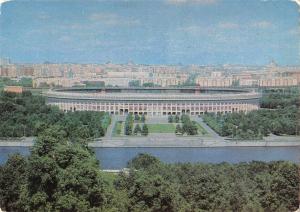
{"points": [[153, 193], [128, 124], [143, 118], [178, 129], [12, 176], [134, 83], [128, 129], [145, 130], [62, 176], [189, 128], [136, 117], [177, 119], [170, 118], [137, 129], [143, 161]]}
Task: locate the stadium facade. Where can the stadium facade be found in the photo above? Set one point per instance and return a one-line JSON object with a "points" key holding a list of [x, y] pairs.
{"points": [[154, 101]]}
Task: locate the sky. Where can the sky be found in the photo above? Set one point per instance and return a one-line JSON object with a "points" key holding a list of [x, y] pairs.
{"points": [[203, 32]]}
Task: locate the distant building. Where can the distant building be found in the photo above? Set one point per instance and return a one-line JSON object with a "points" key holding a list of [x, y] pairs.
{"points": [[214, 82]]}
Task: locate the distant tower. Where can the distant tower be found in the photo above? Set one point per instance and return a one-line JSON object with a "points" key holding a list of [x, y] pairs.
{"points": [[272, 64]]}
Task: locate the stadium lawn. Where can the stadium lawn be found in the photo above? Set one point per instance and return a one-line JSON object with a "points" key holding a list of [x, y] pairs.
{"points": [[161, 128]]}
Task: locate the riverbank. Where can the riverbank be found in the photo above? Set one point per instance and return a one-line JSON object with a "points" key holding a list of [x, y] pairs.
{"points": [[187, 142], [171, 142], [17, 142]]}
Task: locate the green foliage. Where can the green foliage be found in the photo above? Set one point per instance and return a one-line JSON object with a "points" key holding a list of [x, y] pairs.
{"points": [[63, 176], [136, 117], [280, 98], [149, 84], [59, 175], [137, 129], [143, 118], [25, 82], [279, 116], [176, 119], [254, 186], [189, 127], [28, 115], [129, 124], [255, 124], [143, 161], [145, 130], [170, 119], [178, 129], [134, 83], [12, 176], [117, 128]]}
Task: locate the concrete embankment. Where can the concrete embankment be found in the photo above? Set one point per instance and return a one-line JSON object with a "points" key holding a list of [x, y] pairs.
{"points": [[190, 142], [17, 142], [181, 142]]}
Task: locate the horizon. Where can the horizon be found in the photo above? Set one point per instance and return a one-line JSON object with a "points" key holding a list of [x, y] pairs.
{"points": [[133, 63]]}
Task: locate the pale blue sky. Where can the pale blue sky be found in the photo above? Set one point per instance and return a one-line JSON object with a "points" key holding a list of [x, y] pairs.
{"points": [[151, 32]]}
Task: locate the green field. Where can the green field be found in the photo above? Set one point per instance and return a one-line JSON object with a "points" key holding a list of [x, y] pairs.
{"points": [[161, 128]]}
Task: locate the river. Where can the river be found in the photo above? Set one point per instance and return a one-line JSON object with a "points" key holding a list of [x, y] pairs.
{"points": [[117, 158]]}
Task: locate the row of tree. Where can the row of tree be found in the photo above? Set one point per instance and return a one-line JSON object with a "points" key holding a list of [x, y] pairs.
{"points": [[280, 98], [128, 127], [255, 124], [173, 119], [141, 130], [28, 115], [188, 126], [64, 176], [279, 115], [139, 118]]}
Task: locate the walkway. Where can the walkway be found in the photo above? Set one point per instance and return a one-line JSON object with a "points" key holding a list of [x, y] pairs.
{"points": [[110, 127], [207, 128]]}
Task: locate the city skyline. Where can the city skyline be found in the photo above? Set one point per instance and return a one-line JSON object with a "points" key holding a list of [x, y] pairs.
{"points": [[201, 32]]}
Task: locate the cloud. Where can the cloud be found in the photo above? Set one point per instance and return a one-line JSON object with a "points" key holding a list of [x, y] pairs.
{"points": [[111, 19], [228, 25], [201, 2], [262, 25], [297, 2], [1, 2]]}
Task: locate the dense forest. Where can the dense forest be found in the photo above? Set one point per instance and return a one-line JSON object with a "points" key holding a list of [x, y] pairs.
{"points": [[28, 115], [60, 175], [279, 115]]}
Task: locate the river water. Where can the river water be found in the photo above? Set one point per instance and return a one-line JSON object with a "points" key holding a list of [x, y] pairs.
{"points": [[117, 158]]}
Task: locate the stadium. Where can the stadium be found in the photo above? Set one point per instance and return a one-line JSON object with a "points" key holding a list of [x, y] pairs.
{"points": [[154, 101]]}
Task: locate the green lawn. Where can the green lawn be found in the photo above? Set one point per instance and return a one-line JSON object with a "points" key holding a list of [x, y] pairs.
{"points": [[161, 128]]}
